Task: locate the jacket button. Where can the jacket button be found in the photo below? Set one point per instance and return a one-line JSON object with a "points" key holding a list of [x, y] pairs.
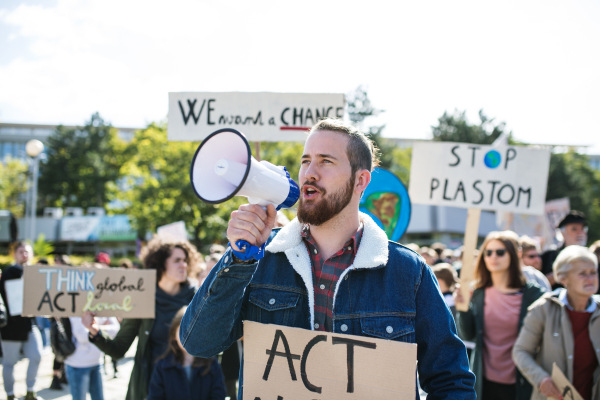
{"points": [[344, 327], [389, 329], [226, 259], [226, 270], [272, 301]]}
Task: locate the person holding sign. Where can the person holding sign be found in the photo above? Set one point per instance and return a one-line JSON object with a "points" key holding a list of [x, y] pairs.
{"points": [[496, 312], [20, 333], [171, 260], [563, 327], [330, 269]]}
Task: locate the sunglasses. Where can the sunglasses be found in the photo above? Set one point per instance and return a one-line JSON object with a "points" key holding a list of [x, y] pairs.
{"points": [[499, 252], [533, 256]]}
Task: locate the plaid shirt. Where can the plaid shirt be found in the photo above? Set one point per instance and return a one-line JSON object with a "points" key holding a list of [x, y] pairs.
{"points": [[326, 273]]}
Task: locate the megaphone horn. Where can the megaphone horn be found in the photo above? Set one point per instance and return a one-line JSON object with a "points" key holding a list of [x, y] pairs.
{"points": [[223, 167]]}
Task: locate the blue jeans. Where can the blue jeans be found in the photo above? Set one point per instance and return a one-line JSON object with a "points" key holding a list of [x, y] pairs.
{"points": [[84, 380]]}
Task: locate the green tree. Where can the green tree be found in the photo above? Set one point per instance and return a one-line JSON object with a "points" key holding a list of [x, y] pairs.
{"points": [[156, 190], [456, 128], [13, 186], [81, 164], [572, 176]]}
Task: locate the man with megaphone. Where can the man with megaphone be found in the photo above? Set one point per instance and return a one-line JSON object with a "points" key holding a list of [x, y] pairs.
{"points": [[295, 278]]}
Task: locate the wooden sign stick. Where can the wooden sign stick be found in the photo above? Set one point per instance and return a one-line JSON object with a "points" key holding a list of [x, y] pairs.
{"points": [[467, 270]]}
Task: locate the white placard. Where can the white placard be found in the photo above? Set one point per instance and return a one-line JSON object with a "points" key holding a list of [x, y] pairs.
{"points": [[174, 230], [261, 116], [14, 296], [504, 178]]}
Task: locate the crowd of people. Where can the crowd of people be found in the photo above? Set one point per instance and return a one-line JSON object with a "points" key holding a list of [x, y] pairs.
{"points": [[516, 326], [528, 312]]}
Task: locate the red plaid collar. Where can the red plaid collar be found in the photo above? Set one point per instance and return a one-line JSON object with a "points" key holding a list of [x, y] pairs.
{"points": [[353, 242]]}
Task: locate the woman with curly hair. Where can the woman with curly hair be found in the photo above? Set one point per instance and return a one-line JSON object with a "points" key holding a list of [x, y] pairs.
{"points": [[171, 260]]}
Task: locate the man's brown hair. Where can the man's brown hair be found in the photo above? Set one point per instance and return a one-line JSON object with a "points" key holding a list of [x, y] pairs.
{"points": [[362, 151]]}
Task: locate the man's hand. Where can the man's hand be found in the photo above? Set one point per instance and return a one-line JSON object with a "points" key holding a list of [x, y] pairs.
{"points": [[88, 320], [252, 224], [548, 389]]}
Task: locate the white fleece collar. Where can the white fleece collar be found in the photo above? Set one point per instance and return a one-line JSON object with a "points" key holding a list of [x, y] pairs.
{"points": [[372, 252]]}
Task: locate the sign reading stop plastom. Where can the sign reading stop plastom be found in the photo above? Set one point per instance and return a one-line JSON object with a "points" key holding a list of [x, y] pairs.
{"points": [[507, 178], [262, 116]]}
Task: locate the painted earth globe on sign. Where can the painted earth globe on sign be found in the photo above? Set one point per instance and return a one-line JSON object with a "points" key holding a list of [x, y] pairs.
{"points": [[386, 201], [492, 159]]}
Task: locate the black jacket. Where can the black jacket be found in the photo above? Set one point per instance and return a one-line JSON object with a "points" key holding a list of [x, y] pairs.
{"points": [[18, 327]]}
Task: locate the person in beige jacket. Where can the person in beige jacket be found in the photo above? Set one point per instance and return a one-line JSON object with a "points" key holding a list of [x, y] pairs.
{"points": [[563, 327]]}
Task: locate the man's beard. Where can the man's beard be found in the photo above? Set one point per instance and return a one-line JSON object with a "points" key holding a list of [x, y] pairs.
{"points": [[318, 213]]}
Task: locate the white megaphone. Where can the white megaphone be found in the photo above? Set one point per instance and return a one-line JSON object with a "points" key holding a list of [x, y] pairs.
{"points": [[223, 167]]}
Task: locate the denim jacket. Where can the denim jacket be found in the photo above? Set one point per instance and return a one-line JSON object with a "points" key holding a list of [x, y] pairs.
{"points": [[387, 286]]}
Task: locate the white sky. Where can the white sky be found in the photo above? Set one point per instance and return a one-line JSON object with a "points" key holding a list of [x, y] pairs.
{"points": [[533, 64]]}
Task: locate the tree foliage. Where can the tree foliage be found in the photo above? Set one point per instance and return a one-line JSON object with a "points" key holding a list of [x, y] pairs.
{"points": [[455, 128], [13, 186], [572, 176], [81, 163], [393, 158], [156, 190]]}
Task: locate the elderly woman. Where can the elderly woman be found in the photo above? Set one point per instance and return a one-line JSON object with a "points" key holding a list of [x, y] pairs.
{"points": [[563, 327]]}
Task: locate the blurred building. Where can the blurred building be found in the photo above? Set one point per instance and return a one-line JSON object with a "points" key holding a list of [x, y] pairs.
{"points": [[13, 137]]}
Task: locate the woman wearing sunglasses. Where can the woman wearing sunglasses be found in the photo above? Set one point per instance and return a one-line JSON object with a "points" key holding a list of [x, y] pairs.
{"points": [[496, 312]]}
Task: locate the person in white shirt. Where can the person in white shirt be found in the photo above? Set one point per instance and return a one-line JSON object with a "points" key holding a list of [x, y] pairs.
{"points": [[83, 367]]}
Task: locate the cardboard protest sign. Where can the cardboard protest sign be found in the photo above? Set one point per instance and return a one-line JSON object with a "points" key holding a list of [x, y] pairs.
{"points": [[262, 116], [69, 291], [566, 388], [506, 178], [291, 363]]}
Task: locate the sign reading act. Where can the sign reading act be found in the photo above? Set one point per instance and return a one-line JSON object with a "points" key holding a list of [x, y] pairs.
{"points": [[282, 363], [508, 178]]}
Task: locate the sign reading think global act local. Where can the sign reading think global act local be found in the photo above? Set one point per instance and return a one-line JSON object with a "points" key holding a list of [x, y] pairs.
{"points": [[263, 116], [68, 291], [505, 178]]}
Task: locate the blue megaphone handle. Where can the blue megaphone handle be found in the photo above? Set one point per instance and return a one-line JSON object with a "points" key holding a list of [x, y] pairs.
{"points": [[250, 252], [293, 194]]}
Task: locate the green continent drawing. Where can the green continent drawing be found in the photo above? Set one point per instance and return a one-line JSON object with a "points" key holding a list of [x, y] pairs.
{"points": [[385, 206]]}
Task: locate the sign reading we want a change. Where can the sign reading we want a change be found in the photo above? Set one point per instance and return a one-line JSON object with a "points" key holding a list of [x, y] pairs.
{"points": [[69, 291], [504, 178], [261, 116]]}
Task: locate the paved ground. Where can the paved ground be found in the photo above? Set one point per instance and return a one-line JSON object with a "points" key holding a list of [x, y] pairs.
{"points": [[114, 388]]}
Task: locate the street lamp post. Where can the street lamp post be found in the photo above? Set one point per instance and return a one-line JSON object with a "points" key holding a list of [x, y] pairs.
{"points": [[34, 148]]}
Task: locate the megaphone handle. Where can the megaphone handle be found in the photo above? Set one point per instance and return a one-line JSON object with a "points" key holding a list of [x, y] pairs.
{"points": [[250, 252]]}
